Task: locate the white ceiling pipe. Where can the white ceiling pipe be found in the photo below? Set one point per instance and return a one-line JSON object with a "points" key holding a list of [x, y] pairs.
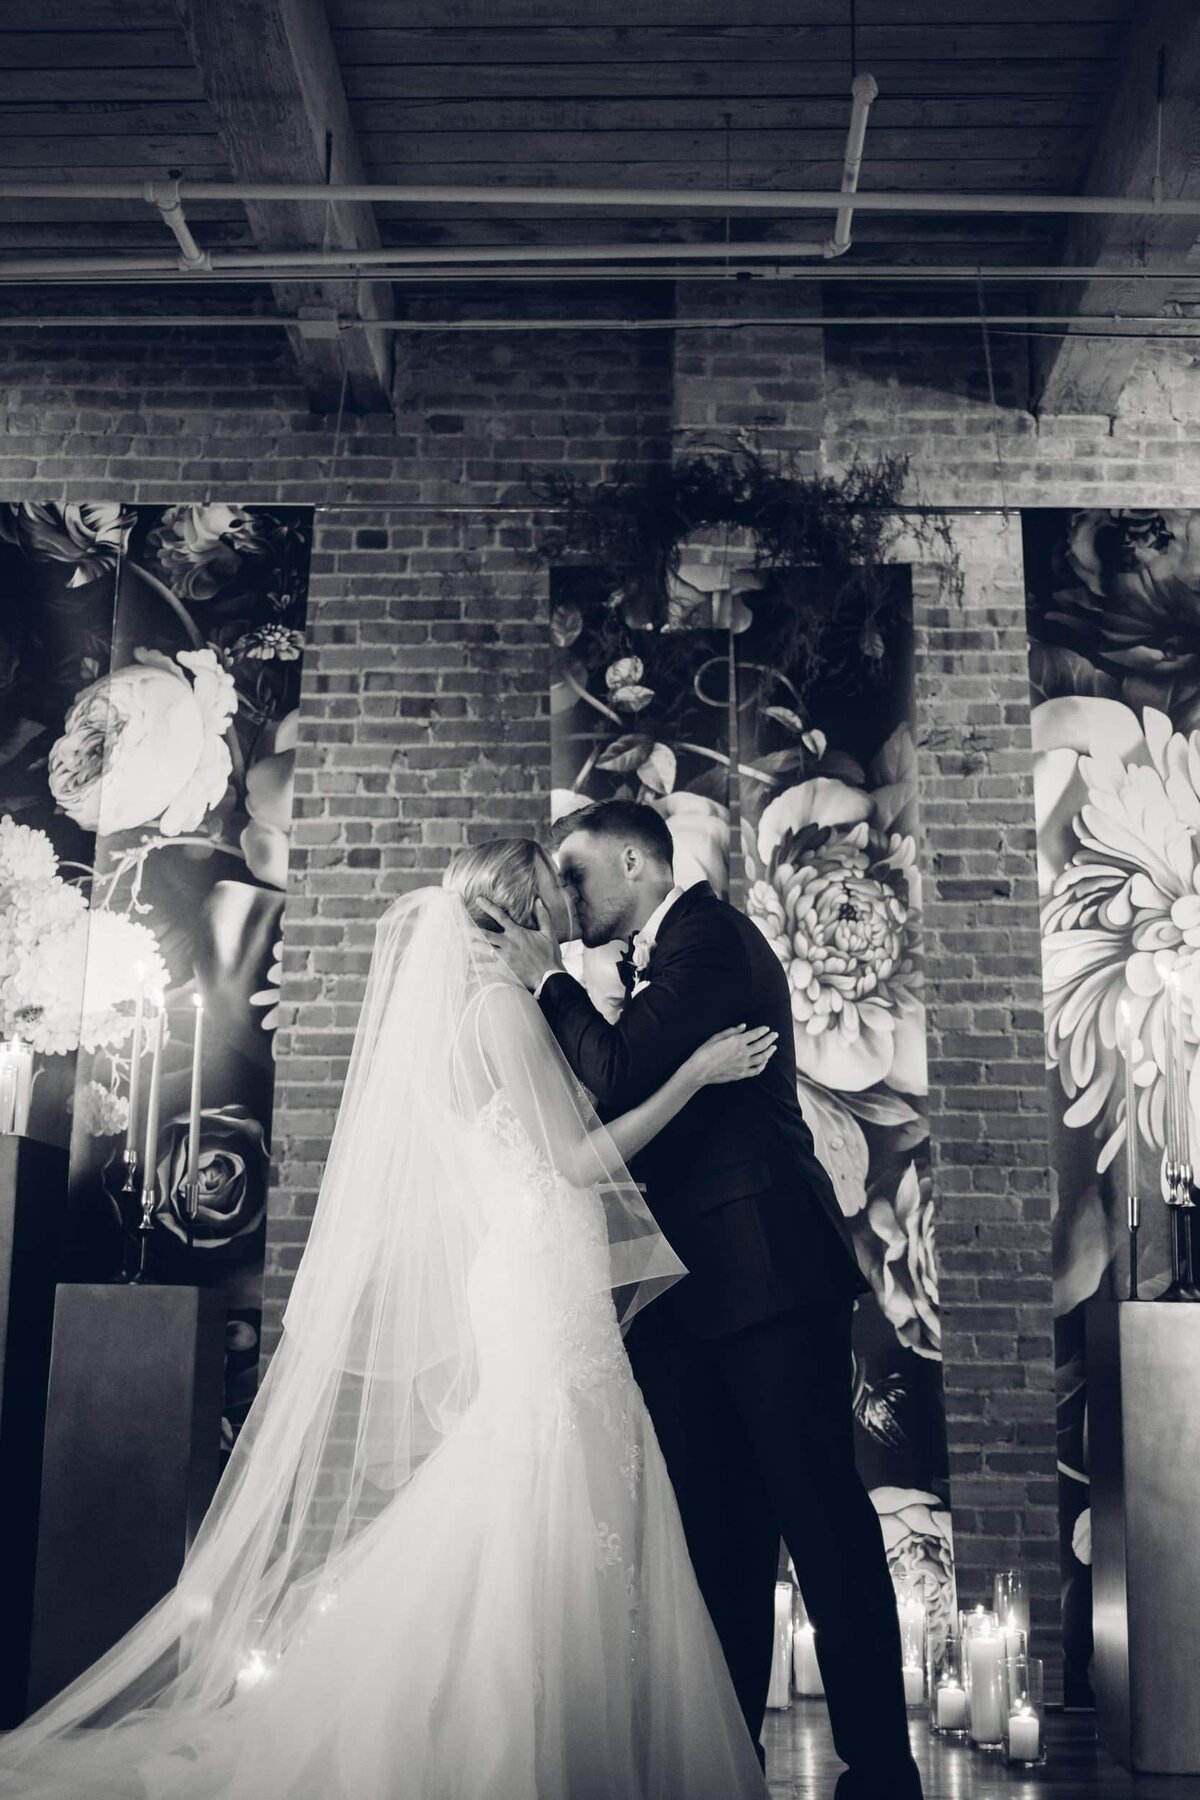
{"points": [[117, 272], [1103, 323], [864, 90], [165, 196], [762, 200]]}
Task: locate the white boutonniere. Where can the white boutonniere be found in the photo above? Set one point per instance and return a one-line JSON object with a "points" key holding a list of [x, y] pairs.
{"points": [[640, 958]]}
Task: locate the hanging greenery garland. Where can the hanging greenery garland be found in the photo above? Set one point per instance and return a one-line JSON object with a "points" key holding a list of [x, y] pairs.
{"points": [[731, 540]]}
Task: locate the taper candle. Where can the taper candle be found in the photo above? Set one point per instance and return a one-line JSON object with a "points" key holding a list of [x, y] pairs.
{"points": [[1127, 1041], [193, 1162], [135, 1066], [157, 1035]]}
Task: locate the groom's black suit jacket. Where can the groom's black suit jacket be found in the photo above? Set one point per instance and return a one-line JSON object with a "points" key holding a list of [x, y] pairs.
{"points": [[733, 1180]]}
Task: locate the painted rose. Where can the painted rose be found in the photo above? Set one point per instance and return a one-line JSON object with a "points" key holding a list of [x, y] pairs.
{"points": [[1119, 835], [919, 1545], [199, 548], [269, 784], [234, 1167], [1136, 608], [700, 833], [146, 743], [835, 891], [894, 1239], [92, 537]]}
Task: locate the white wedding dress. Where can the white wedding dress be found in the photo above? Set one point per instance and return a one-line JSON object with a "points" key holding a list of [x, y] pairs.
{"points": [[448, 1564]]}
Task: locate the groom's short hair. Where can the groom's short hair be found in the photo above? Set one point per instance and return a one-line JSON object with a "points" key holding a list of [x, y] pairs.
{"points": [[620, 821]]}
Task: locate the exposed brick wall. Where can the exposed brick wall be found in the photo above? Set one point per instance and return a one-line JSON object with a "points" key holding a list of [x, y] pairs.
{"points": [[424, 702]]}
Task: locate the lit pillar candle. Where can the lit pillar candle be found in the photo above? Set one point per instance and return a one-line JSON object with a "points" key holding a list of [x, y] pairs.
{"points": [[157, 1033], [804, 1662], [1024, 1736], [193, 1163], [985, 1666], [135, 1067], [914, 1684], [780, 1692], [951, 1707]]}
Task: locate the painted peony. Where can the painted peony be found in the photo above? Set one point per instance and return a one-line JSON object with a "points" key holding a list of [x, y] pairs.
{"points": [[1119, 806], [198, 548], [700, 833], [835, 891], [896, 1251], [146, 743], [919, 1545]]}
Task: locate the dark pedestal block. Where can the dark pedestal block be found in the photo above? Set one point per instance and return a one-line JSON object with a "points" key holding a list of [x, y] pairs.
{"points": [[132, 1451], [33, 1198], [1144, 1450]]}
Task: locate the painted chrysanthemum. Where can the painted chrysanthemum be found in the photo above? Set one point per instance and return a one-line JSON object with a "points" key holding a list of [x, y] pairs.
{"points": [[834, 894], [1121, 909]]}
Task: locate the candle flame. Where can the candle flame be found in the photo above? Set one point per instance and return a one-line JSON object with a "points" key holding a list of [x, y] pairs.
{"points": [[198, 1002]]}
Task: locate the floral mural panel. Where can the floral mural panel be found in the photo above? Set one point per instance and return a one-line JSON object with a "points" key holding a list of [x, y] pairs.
{"points": [[1114, 656], [796, 799], [150, 662]]}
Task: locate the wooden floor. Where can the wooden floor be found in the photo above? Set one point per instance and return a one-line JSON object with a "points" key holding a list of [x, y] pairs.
{"points": [[802, 1765]]}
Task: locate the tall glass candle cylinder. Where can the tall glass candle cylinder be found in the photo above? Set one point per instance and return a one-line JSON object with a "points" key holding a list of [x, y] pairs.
{"points": [[947, 1692], [1024, 1720], [910, 1607], [779, 1694], [806, 1671], [1012, 1609], [984, 1652]]}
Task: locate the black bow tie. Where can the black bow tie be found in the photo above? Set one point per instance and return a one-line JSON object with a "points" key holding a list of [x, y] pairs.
{"points": [[625, 968]]}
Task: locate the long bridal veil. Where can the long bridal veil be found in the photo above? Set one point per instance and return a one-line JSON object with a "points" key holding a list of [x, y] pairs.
{"points": [[376, 1365]]}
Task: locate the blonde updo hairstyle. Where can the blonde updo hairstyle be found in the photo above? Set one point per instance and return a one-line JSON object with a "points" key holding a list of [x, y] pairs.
{"points": [[504, 870]]}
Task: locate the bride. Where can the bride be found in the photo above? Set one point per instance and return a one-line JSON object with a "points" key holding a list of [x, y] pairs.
{"points": [[445, 1560]]}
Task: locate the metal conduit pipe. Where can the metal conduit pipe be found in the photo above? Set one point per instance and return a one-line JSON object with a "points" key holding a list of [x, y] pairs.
{"points": [[164, 195], [1103, 322], [194, 261], [864, 90], [760, 200]]}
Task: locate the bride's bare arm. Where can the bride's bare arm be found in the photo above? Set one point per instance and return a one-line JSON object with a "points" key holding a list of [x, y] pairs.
{"points": [[517, 1054]]}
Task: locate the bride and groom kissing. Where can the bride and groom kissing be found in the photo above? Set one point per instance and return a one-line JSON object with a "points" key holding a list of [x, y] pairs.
{"points": [[504, 1521]]}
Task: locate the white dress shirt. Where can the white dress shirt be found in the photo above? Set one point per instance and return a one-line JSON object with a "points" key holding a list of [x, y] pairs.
{"points": [[642, 942]]}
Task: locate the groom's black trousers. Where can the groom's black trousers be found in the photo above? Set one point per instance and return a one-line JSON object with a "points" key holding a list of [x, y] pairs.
{"points": [[757, 1433]]}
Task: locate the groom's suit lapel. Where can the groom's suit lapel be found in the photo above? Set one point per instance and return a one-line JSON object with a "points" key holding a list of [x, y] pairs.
{"points": [[678, 915]]}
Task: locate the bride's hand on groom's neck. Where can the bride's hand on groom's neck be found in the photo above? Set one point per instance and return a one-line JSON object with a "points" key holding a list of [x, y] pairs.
{"points": [[529, 952]]}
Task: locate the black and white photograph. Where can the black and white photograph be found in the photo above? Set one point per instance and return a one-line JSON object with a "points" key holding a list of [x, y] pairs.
{"points": [[599, 900]]}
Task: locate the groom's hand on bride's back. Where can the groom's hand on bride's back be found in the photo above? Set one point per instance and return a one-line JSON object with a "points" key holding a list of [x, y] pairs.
{"points": [[530, 953]]}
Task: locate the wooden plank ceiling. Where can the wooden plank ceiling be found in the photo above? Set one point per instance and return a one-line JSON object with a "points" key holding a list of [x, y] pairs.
{"points": [[975, 95]]}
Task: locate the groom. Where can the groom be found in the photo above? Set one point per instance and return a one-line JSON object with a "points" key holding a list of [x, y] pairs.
{"points": [[745, 1364]]}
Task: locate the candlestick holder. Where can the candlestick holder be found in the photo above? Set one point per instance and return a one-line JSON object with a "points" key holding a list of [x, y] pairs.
{"points": [[1181, 1203], [910, 1608], [143, 1233], [1133, 1220]]}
